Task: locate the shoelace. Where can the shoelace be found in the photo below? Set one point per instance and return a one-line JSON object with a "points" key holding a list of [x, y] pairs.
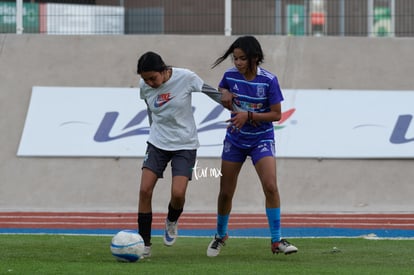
{"points": [[284, 242], [171, 228], [217, 243]]}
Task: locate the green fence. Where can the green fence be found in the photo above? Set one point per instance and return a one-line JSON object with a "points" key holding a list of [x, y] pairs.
{"points": [[8, 17], [367, 18]]}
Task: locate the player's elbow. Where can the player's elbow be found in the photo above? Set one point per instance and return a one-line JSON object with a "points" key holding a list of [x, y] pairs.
{"points": [[277, 116]]}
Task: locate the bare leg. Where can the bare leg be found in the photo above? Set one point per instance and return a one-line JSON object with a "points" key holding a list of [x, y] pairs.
{"points": [[266, 170], [228, 182], [178, 190], [148, 181]]}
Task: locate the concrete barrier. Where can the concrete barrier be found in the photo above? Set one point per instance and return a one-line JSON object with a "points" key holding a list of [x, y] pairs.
{"points": [[109, 184]]}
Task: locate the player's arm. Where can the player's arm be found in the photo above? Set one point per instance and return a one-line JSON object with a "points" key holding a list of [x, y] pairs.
{"points": [[275, 114], [211, 92], [241, 117], [227, 98], [223, 97], [149, 113]]}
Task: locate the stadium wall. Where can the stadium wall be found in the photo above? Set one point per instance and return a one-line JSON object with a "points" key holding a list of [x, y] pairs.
{"points": [[111, 184]]}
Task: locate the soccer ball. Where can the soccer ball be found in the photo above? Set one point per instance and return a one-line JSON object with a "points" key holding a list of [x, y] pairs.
{"points": [[127, 246]]}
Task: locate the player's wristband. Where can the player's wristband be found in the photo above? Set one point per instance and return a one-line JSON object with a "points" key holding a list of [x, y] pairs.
{"points": [[250, 116]]}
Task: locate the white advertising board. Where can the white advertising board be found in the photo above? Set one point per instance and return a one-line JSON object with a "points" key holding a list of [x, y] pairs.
{"points": [[112, 122], [348, 124]]}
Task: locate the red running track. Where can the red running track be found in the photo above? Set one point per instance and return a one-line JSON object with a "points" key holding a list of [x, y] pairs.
{"points": [[88, 220]]}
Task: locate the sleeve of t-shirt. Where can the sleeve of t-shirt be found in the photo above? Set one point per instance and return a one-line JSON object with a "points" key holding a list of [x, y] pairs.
{"points": [[141, 90], [223, 83], [275, 94], [216, 96], [196, 82], [211, 92]]}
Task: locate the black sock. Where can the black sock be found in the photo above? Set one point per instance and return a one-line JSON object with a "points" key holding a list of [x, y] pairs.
{"points": [[173, 214], [144, 227]]}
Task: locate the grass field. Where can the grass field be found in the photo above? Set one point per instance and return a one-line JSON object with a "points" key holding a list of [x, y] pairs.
{"points": [[68, 254]]}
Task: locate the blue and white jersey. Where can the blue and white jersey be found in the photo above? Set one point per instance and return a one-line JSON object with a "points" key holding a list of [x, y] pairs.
{"points": [[255, 96]]}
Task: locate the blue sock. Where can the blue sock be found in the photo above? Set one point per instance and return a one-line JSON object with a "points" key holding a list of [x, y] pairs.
{"points": [[222, 223], [273, 217]]}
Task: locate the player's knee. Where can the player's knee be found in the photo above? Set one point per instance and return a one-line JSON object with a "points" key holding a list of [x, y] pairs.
{"points": [[145, 192], [225, 196], [271, 189], [178, 201]]}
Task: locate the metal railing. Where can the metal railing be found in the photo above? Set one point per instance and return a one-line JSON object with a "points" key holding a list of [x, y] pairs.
{"points": [[378, 18]]}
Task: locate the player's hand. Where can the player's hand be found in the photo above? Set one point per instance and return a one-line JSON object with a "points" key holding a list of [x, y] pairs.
{"points": [[237, 121], [227, 98]]}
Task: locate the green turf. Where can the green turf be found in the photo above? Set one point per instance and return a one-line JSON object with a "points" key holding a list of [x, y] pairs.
{"points": [[62, 254]]}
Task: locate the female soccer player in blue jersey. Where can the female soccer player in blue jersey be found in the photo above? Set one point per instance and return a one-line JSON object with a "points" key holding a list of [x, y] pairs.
{"points": [[250, 133]]}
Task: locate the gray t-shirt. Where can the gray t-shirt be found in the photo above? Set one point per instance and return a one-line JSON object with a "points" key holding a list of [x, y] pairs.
{"points": [[173, 126]]}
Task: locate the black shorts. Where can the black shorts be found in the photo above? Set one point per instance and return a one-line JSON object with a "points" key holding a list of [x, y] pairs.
{"points": [[182, 161]]}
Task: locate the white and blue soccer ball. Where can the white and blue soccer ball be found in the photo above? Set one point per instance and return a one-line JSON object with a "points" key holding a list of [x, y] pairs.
{"points": [[127, 246]]}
